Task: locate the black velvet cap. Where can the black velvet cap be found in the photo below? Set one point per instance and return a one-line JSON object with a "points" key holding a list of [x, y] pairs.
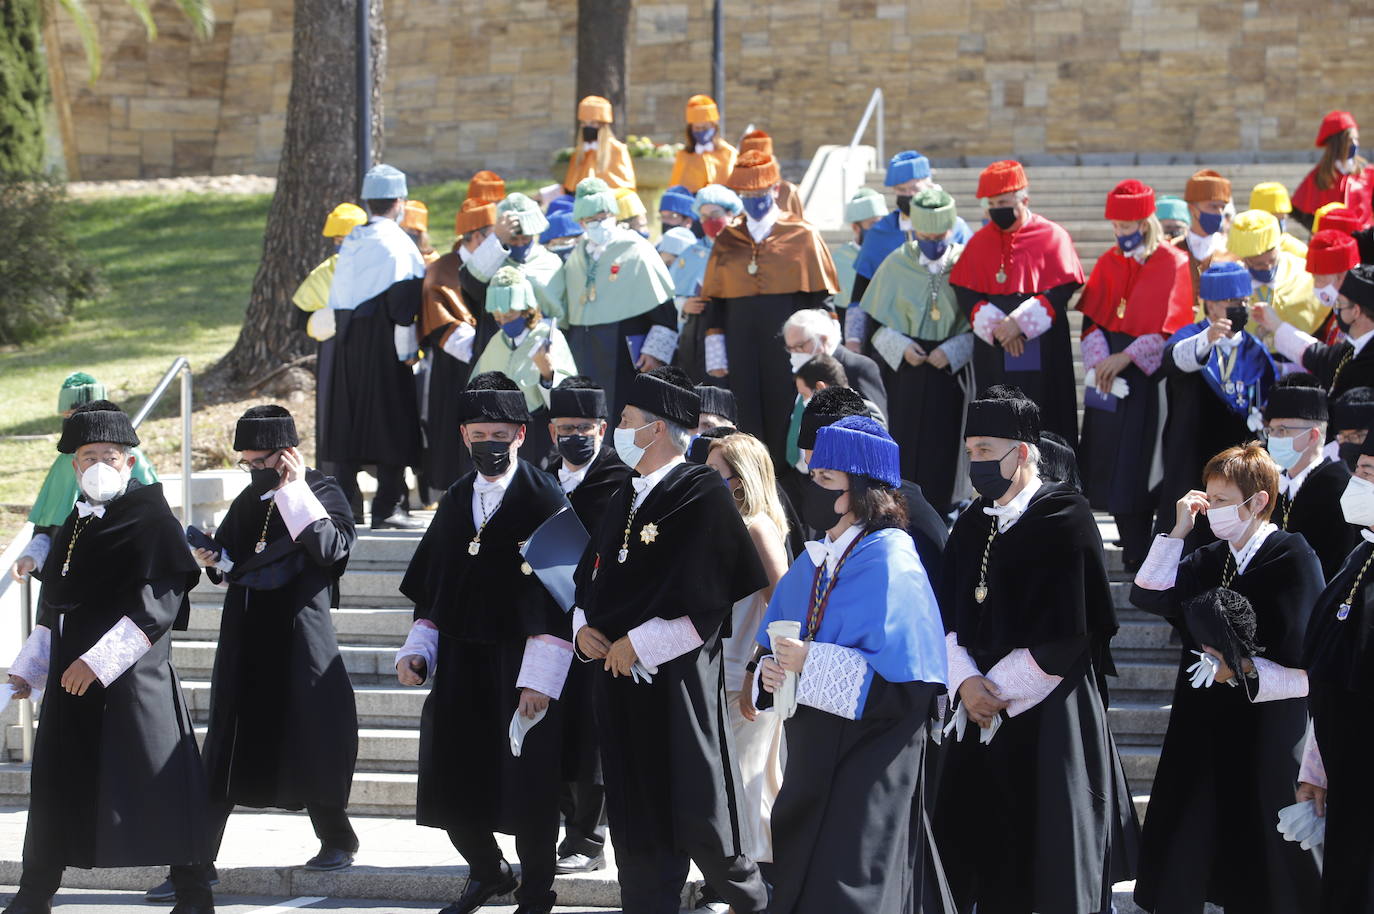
{"points": [[1003, 411], [1353, 409], [493, 397], [1224, 620], [828, 406], [1358, 286], [96, 421], [265, 428], [700, 448], [578, 397], [718, 401], [668, 393], [1297, 396]]}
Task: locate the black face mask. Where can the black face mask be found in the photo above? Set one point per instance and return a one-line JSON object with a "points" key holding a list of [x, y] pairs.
{"points": [[1340, 321], [589, 134], [818, 506], [987, 478], [1238, 315], [577, 450], [697, 229], [863, 233], [492, 458], [260, 482], [1350, 454], [904, 204], [1004, 217]]}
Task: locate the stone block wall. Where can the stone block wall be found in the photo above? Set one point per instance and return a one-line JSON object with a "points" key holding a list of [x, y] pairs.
{"points": [[477, 83]]}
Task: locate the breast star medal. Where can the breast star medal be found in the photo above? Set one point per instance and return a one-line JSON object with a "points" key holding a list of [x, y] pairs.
{"points": [[648, 533]]}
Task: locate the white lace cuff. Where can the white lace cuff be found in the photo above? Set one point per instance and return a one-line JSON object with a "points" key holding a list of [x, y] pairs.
{"points": [[489, 257], [1312, 770], [832, 680], [298, 506], [1094, 347], [544, 667], [891, 345], [961, 665], [660, 343], [1292, 342], [423, 641], [959, 350], [460, 342], [407, 340], [116, 651], [32, 663], [716, 359], [660, 640], [1160, 568], [1033, 316], [37, 549], [986, 317], [855, 324], [1278, 682], [1021, 682]]}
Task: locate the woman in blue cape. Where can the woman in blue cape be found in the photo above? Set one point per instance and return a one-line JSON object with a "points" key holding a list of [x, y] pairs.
{"points": [[848, 832]]}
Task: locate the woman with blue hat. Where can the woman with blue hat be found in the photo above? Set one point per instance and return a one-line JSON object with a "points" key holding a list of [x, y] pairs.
{"points": [[714, 206], [868, 664]]}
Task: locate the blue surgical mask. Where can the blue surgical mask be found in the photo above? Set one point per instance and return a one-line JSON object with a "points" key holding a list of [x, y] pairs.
{"points": [[1264, 277], [1130, 242], [514, 327], [1283, 223], [758, 207], [703, 134], [1283, 451], [518, 252], [1354, 150], [1210, 222], [933, 250]]}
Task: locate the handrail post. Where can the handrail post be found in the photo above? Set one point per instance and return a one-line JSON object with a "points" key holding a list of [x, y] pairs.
{"points": [[186, 445], [882, 116], [26, 706]]}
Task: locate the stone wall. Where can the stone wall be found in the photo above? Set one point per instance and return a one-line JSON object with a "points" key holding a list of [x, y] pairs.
{"points": [[476, 83]]}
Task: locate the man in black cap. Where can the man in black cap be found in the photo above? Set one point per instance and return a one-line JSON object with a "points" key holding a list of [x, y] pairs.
{"points": [[1034, 809], [718, 408], [117, 779], [590, 473], [288, 741], [654, 593], [1343, 365], [1311, 483], [1352, 416], [498, 648]]}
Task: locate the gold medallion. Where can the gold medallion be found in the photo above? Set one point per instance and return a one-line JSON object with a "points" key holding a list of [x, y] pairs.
{"points": [[648, 534], [1001, 275], [1121, 309], [980, 593], [474, 547], [935, 314], [525, 568], [753, 267]]}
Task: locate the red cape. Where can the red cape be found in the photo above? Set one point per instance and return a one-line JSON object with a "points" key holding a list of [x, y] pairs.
{"points": [[1353, 190], [1036, 257], [1158, 293]]}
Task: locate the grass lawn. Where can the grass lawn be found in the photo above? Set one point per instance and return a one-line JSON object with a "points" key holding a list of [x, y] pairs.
{"points": [[178, 270]]}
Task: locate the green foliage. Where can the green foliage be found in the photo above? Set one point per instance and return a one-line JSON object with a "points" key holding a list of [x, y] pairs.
{"points": [[199, 12], [23, 87], [42, 273]]}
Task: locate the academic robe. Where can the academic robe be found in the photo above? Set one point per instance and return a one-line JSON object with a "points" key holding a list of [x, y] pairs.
{"points": [[1354, 191], [912, 305], [789, 200], [864, 376], [881, 239], [117, 778], [373, 414], [485, 608], [540, 267], [618, 172], [1339, 657], [1132, 307], [1339, 367], [1210, 833], [1040, 819], [850, 804], [845, 257], [1291, 296], [667, 747], [1204, 417], [793, 270], [695, 170], [1037, 260], [688, 272], [442, 310], [1315, 511], [515, 359]]}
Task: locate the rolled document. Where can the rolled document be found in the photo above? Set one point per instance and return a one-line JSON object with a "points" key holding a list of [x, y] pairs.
{"points": [[785, 698]]}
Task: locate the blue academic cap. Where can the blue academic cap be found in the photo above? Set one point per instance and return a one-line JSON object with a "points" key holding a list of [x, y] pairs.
{"points": [[908, 165], [1224, 281], [859, 446], [561, 225], [382, 182], [677, 199]]}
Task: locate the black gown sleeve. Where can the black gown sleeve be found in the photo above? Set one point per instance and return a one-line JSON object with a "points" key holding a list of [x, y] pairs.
{"points": [[1059, 296], [861, 284], [1301, 218], [403, 301], [1321, 360], [1058, 658], [159, 603]]}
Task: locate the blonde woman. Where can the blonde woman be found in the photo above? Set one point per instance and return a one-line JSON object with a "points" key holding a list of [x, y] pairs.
{"points": [[596, 151], [743, 463]]}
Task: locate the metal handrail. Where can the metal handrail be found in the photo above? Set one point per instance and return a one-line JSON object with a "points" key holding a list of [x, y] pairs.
{"points": [[875, 101], [26, 629], [183, 367]]}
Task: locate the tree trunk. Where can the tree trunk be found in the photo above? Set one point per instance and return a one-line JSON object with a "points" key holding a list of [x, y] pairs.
{"points": [[316, 173], [602, 52]]}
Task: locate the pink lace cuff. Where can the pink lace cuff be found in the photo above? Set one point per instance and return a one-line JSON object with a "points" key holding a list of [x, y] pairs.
{"points": [[1095, 348], [833, 679], [1147, 352], [1292, 342], [1160, 568], [660, 640], [545, 665], [855, 325], [1278, 682], [716, 359], [986, 317], [116, 651], [32, 663], [1021, 681], [422, 641], [298, 506], [961, 665], [1033, 316], [1312, 770]]}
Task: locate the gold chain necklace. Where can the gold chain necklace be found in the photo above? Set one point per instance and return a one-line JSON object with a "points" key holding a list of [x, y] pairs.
{"points": [[1228, 569], [475, 546], [1344, 612], [624, 552], [980, 593], [81, 524], [262, 537]]}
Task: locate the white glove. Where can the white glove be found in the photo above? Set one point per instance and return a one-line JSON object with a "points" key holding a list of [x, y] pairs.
{"points": [[519, 726], [641, 673], [1204, 672], [1301, 824], [407, 341], [1120, 389], [958, 722], [985, 734], [320, 325]]}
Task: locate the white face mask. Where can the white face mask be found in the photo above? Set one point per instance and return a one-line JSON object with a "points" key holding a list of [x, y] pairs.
{"points": [[1327, 295], [600, 232], [1357, 502], [629, 453], [1227, 523], [102, 483]]}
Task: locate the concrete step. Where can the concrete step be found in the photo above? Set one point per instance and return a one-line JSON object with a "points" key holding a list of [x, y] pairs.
{"points": [[385, 549], [1139, 763], [1138, 724], [366, 664], [357, 627], [384, 706], [358, 587]]}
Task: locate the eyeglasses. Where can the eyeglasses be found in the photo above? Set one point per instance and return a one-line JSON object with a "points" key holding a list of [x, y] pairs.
{"points": [[1283, 431], [584, 428], [249, 466]]}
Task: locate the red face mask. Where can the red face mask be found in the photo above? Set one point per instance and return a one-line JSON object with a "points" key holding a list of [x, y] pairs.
{"points": [[714, 226]]}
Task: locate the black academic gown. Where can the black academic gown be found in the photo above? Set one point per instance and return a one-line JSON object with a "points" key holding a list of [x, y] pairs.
{"points": [[485, 608], [1339, 367], [1339, 657], [927, 418], [1228, 764], [602, 352], [1040, 819], [864, 377], [373, 413], [672, 781], [1118, 446], [283, 725], [117, 779], [1316, 514], [446, 457]]}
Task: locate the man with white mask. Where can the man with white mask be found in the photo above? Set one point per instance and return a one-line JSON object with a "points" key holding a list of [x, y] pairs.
{"points": [[115, 730], [814, 331]]}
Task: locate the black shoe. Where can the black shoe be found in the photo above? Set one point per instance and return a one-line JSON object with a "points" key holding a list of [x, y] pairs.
{"points": [[475, 893], [330, 858], [580, 863], [534, 909], [165, 891], [397, 521], [186, 907]]}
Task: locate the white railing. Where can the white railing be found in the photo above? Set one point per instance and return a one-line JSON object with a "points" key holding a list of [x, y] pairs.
{"points": [[831, 178], [875, 104]]}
